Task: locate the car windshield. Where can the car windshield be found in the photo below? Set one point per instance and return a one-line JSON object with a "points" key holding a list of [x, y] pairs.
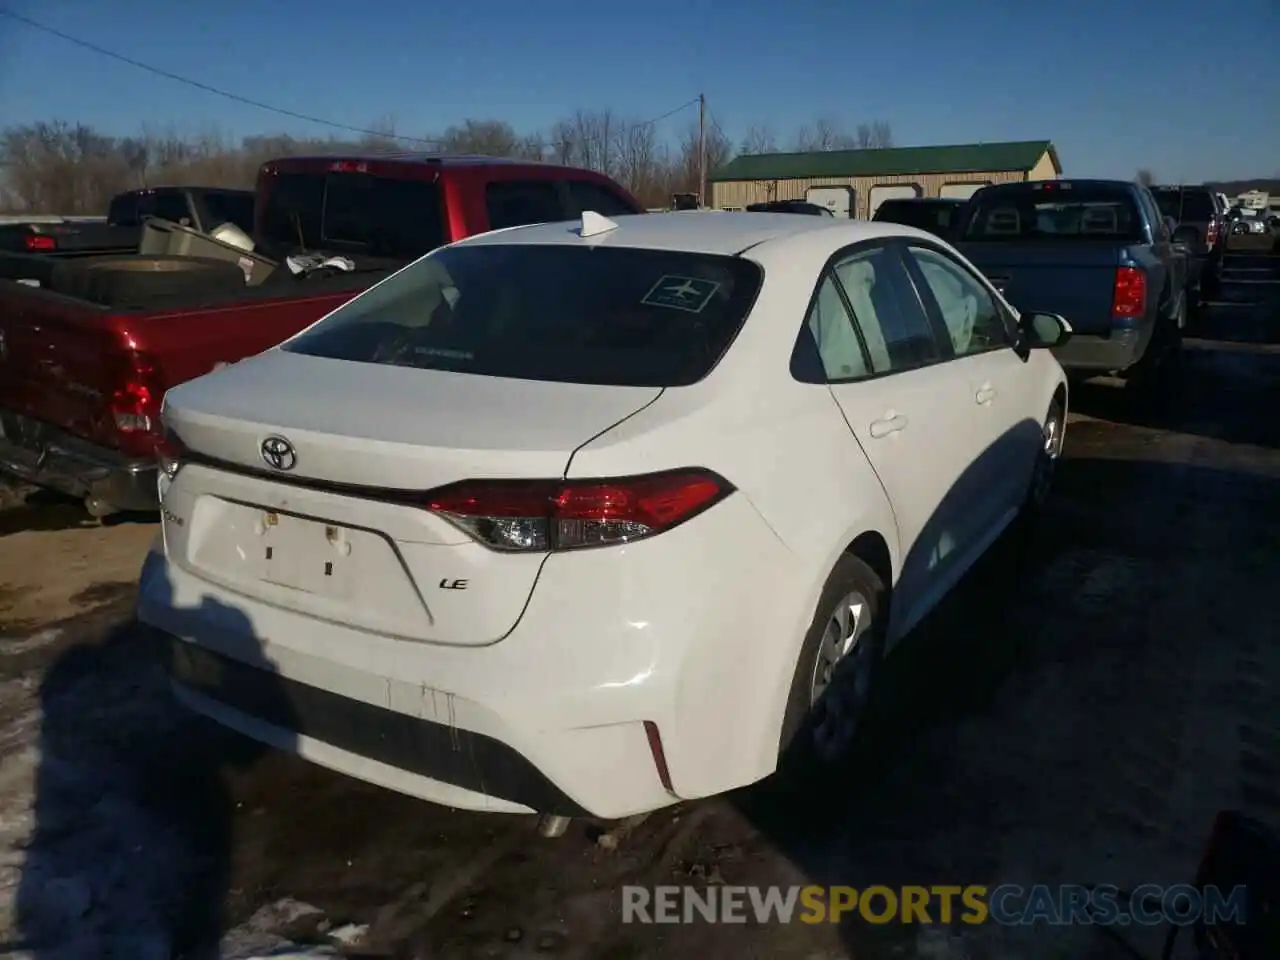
{"points": [[934, 217], [1059, 210], [1185, 204], [600, 315]]}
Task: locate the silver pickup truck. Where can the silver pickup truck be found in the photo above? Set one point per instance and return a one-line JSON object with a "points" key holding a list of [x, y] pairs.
{"points": [[1099, 253]]}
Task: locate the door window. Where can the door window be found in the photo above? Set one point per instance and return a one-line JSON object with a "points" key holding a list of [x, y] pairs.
{"points": [[602, 200], [973, 320], [888, 315]]}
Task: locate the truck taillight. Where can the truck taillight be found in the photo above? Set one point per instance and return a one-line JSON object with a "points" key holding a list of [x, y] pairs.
{"points": [[1129, 297], [535, 516], [39, 243], [1211, 235], [135, 406]]}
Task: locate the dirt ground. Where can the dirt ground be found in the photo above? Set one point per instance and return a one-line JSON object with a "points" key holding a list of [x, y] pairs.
{"points": [[1076, 713]]}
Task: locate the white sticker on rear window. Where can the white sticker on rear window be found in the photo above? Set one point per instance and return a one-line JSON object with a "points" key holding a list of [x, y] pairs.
{"points": [[681, 293]]}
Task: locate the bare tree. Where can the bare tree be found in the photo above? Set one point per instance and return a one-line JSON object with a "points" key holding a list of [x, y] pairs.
{"points": [[823, 135], [759, 139], [874, 136], [1145, 177], [488, 138], [60, 167]]}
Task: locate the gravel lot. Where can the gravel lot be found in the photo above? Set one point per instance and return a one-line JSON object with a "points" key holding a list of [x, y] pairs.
{"points": [[1077, 713]]}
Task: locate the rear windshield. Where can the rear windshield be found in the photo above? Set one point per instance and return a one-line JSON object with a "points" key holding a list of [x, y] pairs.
{"points": [[1185, 204], [934, 217], [598, 315], [230, 207], [1059, 211], [352, 213]]}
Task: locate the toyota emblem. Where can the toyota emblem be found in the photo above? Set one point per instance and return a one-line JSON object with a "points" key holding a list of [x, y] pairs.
{"points": [[277, 452]]}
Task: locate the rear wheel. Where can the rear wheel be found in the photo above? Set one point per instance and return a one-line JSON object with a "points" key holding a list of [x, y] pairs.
{"points": [[831, 688]]}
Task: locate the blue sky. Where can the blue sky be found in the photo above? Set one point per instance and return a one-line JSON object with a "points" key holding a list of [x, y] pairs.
{"points": [[1116, 86]]}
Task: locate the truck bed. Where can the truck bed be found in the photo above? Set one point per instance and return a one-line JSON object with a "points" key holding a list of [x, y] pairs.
{"points": [[63, 359]]}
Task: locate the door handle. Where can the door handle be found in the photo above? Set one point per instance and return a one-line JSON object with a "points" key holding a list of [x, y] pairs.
{"points": [[986, 393], [890, 424]]}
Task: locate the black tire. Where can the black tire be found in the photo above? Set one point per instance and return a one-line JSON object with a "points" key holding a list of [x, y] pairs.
{"points": [[1151, 379], [1055, 422], [137, 280], [798, 746]]}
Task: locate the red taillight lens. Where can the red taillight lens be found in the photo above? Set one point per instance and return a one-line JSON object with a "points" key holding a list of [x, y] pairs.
{"points": [[135, 407], [1130, 296], [541, 515], [38, 243], [1211, 235]]}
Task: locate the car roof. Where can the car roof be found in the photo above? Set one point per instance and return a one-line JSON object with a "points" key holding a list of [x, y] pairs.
{"points": [[697, 231]]}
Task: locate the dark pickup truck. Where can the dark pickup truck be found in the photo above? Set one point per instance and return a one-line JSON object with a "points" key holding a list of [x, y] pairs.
{"points": [[85, 364], [1097, 252], [201, 208]]}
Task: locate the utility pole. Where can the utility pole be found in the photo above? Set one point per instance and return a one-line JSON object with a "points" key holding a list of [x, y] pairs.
{"points": [[702, 150]]}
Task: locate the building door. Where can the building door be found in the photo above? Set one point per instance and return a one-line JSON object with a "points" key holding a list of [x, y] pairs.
{"points": [[841, 201], [961, 191]]}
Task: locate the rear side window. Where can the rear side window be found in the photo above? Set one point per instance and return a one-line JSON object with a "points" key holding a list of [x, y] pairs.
{"points": [[593, 196], [603, 315], [172, 205], [228, 207], [1059, 210], [123, 211], [353, 213], [516, 203]]}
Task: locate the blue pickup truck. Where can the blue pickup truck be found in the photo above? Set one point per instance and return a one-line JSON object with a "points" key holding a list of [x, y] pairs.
{"points": [[1099, 253]]}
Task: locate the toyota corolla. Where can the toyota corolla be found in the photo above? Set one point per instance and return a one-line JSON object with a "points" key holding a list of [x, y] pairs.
{"points": [[587, 518]]}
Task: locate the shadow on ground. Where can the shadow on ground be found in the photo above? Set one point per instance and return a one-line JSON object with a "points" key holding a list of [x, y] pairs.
{"points": [[131, 848]]}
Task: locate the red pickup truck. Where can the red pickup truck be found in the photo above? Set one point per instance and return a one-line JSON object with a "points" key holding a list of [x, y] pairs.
{"points": [[82, 376]]}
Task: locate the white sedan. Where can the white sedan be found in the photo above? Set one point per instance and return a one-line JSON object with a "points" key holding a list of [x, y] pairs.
{"points": [[588, 518]]}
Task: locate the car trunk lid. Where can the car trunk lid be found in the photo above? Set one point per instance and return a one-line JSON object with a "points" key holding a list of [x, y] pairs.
{"points": [[344, 532]]}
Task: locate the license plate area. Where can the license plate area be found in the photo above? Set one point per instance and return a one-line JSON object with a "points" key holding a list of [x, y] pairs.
{"points": [[249, 544], [301, 554]]}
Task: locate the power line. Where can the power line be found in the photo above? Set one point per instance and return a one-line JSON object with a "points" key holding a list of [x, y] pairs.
{"points": [[238, 98]]}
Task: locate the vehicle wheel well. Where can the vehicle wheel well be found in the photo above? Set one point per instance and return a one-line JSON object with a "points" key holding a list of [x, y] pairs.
{"points": [[872, 550]]}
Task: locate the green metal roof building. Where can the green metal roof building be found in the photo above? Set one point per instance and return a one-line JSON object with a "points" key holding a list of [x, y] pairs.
{"points": [[855, 182]]}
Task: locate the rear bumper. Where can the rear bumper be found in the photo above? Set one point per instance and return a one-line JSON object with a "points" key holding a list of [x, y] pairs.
{"points": [[1090, 354], [53, 459], [694, 639]]}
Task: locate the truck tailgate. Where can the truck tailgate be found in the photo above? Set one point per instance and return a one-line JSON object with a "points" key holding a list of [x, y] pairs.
{"points": [[59, 361], [1074, 278]]}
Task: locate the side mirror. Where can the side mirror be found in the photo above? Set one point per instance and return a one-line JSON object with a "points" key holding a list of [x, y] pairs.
{"points": [[1042, 331]]}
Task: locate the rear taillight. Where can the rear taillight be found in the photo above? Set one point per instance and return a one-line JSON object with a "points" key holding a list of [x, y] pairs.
{"points": [[38, 243], [135, 406], [542, 515], [1129, 298], [1211, 235]]}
